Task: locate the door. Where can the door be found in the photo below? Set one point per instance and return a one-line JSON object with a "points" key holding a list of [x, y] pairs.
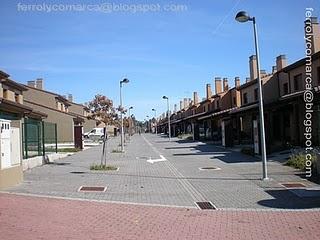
{"points": [[78, 141], [15, 146], [5, 144]]}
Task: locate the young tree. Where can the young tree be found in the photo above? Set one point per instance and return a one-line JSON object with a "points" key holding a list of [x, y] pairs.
{"points": [[101, 109]]}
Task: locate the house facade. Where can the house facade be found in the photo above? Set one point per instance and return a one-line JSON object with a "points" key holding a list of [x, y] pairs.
{"points": [[65, 113], [13, 112]]}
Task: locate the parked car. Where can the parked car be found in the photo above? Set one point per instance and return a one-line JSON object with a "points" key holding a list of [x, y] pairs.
{"points": [[96, 133]]}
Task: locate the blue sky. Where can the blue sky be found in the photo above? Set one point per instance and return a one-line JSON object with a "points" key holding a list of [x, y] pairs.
{"points": [[161, 53]]}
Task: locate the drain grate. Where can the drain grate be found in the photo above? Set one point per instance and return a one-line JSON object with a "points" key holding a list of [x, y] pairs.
{"points": [[209, 168], [293, 185], [92, 189], [206, 206]]}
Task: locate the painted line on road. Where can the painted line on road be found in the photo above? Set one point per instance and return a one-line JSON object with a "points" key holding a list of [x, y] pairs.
{"points": [[194, 193], [161, 159]]}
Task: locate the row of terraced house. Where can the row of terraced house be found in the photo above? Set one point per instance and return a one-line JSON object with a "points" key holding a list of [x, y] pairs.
{"points": [[230, 116], [33, 122]]}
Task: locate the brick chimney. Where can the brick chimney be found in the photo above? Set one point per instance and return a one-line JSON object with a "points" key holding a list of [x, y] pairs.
{"points": [[195, 98], [312, 32], [175, 108], [70, 97], [274, 69], [208, 91], [236, 81], [281, 62], [39, 83], [247, 79], [218, 85], [225, 84], [31, 84], [185, 103], [181, 105], [263, 73], [253, 67]]}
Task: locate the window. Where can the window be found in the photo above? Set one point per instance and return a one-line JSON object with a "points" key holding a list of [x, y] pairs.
{"points": [[217, 104], [16, 97], [245, 98], [256, 94], [234, 101], [5, 93], [297, 82], [285, 88], [318, 73]]}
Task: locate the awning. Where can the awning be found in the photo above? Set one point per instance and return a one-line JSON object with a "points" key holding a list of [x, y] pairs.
{"points": [[218, 113]]}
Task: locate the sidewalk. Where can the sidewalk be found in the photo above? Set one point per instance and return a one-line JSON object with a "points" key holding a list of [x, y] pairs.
{"points": [[31, 218]]}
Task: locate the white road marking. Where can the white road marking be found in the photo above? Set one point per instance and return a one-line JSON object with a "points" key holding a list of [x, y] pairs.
{"points": [[193, 192], [161, 159]]}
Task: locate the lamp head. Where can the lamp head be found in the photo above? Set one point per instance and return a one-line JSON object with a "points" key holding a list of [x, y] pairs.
{"points": [[243, 16], [165, 97], [152, 109], [126, 80]]}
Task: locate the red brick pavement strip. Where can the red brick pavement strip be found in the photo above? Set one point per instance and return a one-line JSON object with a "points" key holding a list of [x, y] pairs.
{"points": [[25, 217]]}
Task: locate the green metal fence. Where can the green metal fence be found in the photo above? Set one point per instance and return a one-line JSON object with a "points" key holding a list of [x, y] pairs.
{"points": [[39, 138]]}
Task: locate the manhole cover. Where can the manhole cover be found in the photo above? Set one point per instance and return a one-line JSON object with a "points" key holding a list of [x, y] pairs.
{"points": [[92, 189], [62, 163], [76, 172], [206, 206], [293, 185], [209, 168]]}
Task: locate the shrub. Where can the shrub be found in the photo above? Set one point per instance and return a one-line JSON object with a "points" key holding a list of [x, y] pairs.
{"points": [[67, 150], [99, 167], [299, 161]]}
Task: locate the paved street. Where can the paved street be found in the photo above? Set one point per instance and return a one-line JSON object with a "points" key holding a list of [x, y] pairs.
{"points": [[153, 195], [175, 182]]}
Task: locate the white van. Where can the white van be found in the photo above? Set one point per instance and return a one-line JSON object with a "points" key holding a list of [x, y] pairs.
{"points": [[94, 134]]}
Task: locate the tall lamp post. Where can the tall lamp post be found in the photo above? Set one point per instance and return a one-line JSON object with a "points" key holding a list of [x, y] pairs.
{"points": [[148, 126], [129, 119], [168, 109], [155, 118], [244, 17], [121, 112]]}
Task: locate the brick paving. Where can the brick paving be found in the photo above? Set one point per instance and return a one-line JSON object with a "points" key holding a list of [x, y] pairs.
{"points": [[24, 217], [156, 201]]}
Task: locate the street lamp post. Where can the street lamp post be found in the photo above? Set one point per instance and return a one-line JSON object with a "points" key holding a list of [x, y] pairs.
{"points": [[244, 17], [168, 109], [155, 118], [148, 125], [121, 112], [129, 119]]}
